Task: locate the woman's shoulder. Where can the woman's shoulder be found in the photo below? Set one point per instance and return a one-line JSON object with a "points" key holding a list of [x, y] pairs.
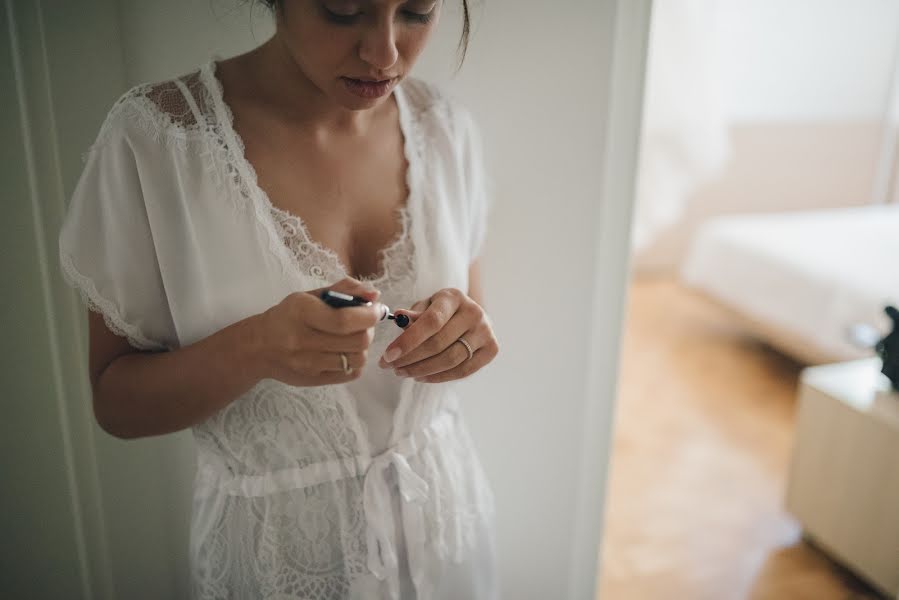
{"points": [[437, 104], [158, 110]]}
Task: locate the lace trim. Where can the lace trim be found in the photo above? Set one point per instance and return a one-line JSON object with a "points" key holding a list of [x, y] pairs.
{"points": [[164, 114], [397, 258], [111, 314], [159, 110], [276, 529], [317, 260], [234, 158]]}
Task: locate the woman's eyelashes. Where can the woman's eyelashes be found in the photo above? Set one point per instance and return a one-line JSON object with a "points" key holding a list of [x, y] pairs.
{"points": [[351, 15], [418, 17]]}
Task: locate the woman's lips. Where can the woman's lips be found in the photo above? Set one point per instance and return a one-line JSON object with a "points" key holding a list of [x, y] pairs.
{"points": [[368, 89]]}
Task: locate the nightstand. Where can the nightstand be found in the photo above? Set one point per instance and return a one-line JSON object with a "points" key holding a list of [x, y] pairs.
{"points": [[843, 485]]}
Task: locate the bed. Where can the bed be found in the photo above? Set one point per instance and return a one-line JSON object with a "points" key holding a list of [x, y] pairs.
{"points": [[801, 280]]}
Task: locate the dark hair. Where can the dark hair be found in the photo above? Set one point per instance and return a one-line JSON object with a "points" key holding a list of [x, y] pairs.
{"points": [[463, 41]]}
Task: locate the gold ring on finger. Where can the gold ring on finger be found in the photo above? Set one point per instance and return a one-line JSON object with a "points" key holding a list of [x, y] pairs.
{"points": [[467, 347]]}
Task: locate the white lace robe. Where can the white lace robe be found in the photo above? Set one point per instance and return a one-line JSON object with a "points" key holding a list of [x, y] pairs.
{"points": [[170, 238]]}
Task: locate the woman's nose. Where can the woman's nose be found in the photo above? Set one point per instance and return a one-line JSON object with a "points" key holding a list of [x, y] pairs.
{"points": [[378, 46]]}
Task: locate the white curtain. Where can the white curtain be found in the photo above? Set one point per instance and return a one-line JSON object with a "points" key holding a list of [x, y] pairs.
{"points": [[886, 187], [685, 136]]}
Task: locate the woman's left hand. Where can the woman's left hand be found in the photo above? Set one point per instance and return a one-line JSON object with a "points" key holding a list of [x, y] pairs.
{"points": [[428, 350]]}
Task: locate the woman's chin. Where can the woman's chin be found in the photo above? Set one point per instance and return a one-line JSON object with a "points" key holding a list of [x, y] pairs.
{"points": [[353, 102]]}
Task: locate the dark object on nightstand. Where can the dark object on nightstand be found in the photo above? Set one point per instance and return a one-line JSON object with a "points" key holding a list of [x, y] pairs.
{"points": [[888, 349]]}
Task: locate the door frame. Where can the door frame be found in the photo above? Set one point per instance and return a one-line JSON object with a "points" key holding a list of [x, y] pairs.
{"points": [[612, 255]]}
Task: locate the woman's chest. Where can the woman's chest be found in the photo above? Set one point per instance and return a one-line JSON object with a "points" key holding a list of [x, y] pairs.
{"points": [[345, 194], [222, 249]]}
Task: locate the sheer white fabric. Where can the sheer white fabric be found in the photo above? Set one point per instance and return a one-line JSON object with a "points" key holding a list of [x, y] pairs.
{"points": [[685, 139], [376, 392], [340, 491]]}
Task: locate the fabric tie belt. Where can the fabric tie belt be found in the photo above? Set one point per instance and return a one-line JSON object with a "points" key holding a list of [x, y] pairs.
{"points": [[414, 491], [382, 558]]}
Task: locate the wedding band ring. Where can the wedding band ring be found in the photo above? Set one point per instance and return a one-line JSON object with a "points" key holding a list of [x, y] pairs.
{"points": [[467, 347], [346, 364]]}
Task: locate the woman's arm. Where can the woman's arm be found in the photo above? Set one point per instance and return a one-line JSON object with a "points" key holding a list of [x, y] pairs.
{"points": [[138, 394], [296, 341]]}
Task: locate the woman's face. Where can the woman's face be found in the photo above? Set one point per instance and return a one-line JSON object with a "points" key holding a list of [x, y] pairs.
{"points": [[337, 43]]}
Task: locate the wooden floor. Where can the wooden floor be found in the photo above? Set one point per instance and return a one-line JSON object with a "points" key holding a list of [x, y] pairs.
{"points": [[702, 442]]}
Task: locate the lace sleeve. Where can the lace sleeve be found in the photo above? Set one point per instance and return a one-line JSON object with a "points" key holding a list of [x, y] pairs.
{"points": [[106, 248]]}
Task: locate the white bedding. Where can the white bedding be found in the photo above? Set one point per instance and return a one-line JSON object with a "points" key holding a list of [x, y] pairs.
{"points": [[802, 278]]}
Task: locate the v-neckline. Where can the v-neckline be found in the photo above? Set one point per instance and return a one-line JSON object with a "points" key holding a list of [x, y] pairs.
{"points": [[268, 214]]}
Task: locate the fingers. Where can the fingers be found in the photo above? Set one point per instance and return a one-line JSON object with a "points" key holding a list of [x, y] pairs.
{"points": [[441, 309], [352, 342], [420, 306], [451, 357], [481, 357], [305, 337], [413, 314], [340, 321], [343, 321], [331, 361], [458, 324], [349, 285]]}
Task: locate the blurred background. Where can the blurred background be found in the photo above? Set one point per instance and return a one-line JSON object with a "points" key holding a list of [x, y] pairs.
{"points": [[756, 448]]}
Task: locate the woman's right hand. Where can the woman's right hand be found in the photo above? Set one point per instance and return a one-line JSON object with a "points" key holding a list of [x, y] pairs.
{"points": [[301, 337]]}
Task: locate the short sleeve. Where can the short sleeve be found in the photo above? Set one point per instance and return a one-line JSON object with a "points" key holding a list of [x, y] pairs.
{"points": [[106, 247], [478, 185]]}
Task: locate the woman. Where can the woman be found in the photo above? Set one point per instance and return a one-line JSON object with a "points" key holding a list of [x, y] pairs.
{"points": [[212, 210]]}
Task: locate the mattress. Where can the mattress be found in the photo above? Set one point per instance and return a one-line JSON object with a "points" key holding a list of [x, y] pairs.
{"points": [[802, 279]]}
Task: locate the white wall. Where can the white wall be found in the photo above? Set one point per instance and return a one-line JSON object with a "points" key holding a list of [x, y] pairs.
{"points": [[537, 78], [806, 60], [803, 87], [170, 37]]}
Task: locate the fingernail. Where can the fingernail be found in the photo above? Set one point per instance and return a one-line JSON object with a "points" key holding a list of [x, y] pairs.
{"points": [[392, 354]]}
